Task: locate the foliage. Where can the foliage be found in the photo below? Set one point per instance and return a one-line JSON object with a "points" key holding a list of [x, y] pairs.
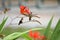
{"points": [[2, 24], [49, 34], [56, 33], [47, 31]]}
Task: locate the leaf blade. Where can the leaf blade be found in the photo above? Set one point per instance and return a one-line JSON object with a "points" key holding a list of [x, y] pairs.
{"points": [[18, 34], [47, 31], [56, 33], [2, 24]]}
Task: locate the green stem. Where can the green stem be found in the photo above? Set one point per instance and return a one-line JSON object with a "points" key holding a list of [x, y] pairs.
{"points": [[18, 34]]}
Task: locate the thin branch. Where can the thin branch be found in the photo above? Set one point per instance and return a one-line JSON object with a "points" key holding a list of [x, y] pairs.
{"points": [[35, 16], [28, 21], [36, 21]]}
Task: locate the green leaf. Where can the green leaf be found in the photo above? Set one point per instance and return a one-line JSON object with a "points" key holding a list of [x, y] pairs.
{"points": [[48, 31], [26, 37], [19, 34], [12, 36], [56, 33], [2, 24]]}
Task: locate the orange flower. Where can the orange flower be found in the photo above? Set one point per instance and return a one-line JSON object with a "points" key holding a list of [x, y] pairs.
{"points": [[22, 7], [42, 37], [36, 35], [24, 10]]}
